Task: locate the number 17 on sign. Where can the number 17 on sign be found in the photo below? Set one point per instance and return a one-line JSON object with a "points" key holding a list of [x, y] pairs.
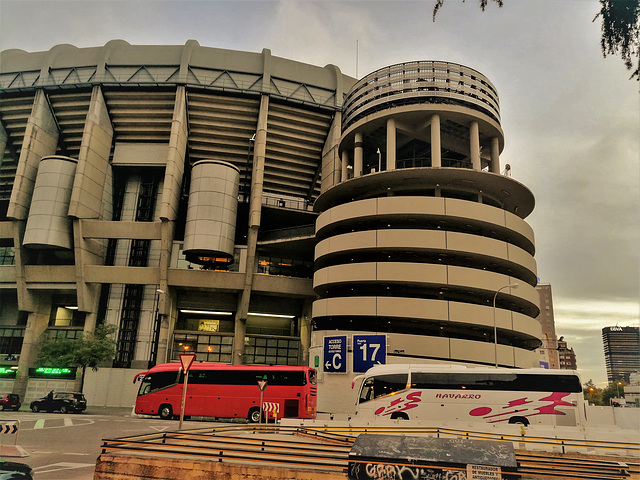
{"points": [[369, 350]]}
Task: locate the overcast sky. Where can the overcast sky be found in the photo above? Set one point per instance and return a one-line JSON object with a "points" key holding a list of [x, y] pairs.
{"points": [[571, 117]]}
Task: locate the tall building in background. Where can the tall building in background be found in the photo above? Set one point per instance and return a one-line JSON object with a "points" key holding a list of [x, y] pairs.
{"points": [[621, 352], [549, 347], [248, 207], [566, 356]]}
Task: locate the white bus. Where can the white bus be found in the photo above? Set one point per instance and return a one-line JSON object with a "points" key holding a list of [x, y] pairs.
{"points": [[428, 393]]}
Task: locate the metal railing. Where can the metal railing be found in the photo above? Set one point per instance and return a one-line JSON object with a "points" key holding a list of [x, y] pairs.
{"points": [[330, 448]]}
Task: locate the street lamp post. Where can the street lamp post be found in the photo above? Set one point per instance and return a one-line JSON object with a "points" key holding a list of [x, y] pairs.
{"points": [[495, 329], [155, 337]]}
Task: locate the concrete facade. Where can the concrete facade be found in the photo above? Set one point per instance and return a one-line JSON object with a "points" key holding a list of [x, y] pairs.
{"points": [[371, 206]]}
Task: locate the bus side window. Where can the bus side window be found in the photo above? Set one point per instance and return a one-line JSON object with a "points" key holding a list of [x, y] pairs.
{"points": [[366, 393], [386, 384]]}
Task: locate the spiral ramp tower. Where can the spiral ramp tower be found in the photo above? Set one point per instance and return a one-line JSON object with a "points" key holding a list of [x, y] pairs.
{"points": [[419, 236]]}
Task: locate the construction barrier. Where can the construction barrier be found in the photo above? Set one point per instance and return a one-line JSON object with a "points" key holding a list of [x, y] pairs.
{"points": [[271, 409], [9, 446]]}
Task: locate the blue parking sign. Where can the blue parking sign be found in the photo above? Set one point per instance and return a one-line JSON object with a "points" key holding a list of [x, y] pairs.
{"points": [[369, 350], [335, 354]]}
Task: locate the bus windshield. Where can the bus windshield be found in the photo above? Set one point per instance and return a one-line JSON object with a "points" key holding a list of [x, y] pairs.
{"points": [[156, 381], [374, 387]]}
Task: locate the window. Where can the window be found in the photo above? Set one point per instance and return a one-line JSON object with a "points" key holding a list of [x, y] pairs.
{"points": [[210, 348], [375, 387], [7, 256], [246, 377], [157, 381], [508, 382], [11, 340], [66, 316], [272, 351]]}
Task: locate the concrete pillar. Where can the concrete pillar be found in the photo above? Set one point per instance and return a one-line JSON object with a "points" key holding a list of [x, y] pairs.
{"points": [[255, 207], [305, 331], [40, 139], [391, 144], [3, 140], [170, 201], [357, 155], [495, 155], [37, 323], [330, 155], [436, 150], [474, 145], [88, 202], [345, 166]]}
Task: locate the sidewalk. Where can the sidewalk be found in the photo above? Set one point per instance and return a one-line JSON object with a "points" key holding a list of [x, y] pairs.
{"points": [[113, 411]]}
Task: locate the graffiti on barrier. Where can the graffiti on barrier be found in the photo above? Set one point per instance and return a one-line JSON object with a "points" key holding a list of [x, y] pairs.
{"points": [[375, 471]]}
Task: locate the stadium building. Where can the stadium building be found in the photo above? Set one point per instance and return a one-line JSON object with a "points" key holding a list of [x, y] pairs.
{"points": [[246, 207]]}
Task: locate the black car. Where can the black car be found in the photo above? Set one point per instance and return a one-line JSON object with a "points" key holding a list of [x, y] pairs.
{"points": [[63, 402], [15, 471]]}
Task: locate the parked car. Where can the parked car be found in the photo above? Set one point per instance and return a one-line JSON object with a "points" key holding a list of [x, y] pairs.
{"points": [[64, 402], [15, 471], [10, 401]]}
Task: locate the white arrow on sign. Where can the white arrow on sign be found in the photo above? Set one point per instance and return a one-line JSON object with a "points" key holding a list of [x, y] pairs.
{"points": [[335, 363]]}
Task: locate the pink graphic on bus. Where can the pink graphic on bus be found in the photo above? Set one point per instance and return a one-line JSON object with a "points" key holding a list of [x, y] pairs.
{"points": [[555, 398], [401, 404]]}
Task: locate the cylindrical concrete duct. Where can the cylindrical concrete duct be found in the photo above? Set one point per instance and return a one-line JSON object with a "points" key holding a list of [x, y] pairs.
{"points": [[211, 215], [48, 224]]}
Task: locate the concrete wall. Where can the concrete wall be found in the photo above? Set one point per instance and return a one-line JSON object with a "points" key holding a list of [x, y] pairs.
{"points": [[111, 387], [111, 467], [627, 418]]}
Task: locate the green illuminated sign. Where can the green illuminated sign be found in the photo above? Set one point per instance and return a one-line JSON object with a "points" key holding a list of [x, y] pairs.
{"points": [[53, 372], [7, 372]]}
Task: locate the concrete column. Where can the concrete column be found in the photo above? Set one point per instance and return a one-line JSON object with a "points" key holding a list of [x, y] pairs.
{"points": [[305, 331], [37, 323], [345, 166], [166, 301], [330, 156], [91, 199], [495, 155], [474, 145], [40, 139], [176, 155], [436, 150], [3, 140], [357, 155], [170, 201], [391, 144], [255, 207]]}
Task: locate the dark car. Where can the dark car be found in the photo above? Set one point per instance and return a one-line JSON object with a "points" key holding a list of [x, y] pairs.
{"points": [[64, 402], [15, 471], [10, 401]]}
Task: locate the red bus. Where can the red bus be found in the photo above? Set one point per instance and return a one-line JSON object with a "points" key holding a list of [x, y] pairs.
{"points": [[227, 391]]}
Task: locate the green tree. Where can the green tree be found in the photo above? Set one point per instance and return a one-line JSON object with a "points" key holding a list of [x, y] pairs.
{"points": [[613, 390], [88, 351], [621, 32], [620, 29], [592, 393]]}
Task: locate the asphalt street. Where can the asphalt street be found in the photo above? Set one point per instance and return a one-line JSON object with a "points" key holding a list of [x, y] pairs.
{"points": [[66, 446]]}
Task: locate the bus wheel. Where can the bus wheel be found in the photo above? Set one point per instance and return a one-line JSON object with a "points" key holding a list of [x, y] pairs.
{"points": [[400, 416], [519, 420], [165, 411], [254, 415]]}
